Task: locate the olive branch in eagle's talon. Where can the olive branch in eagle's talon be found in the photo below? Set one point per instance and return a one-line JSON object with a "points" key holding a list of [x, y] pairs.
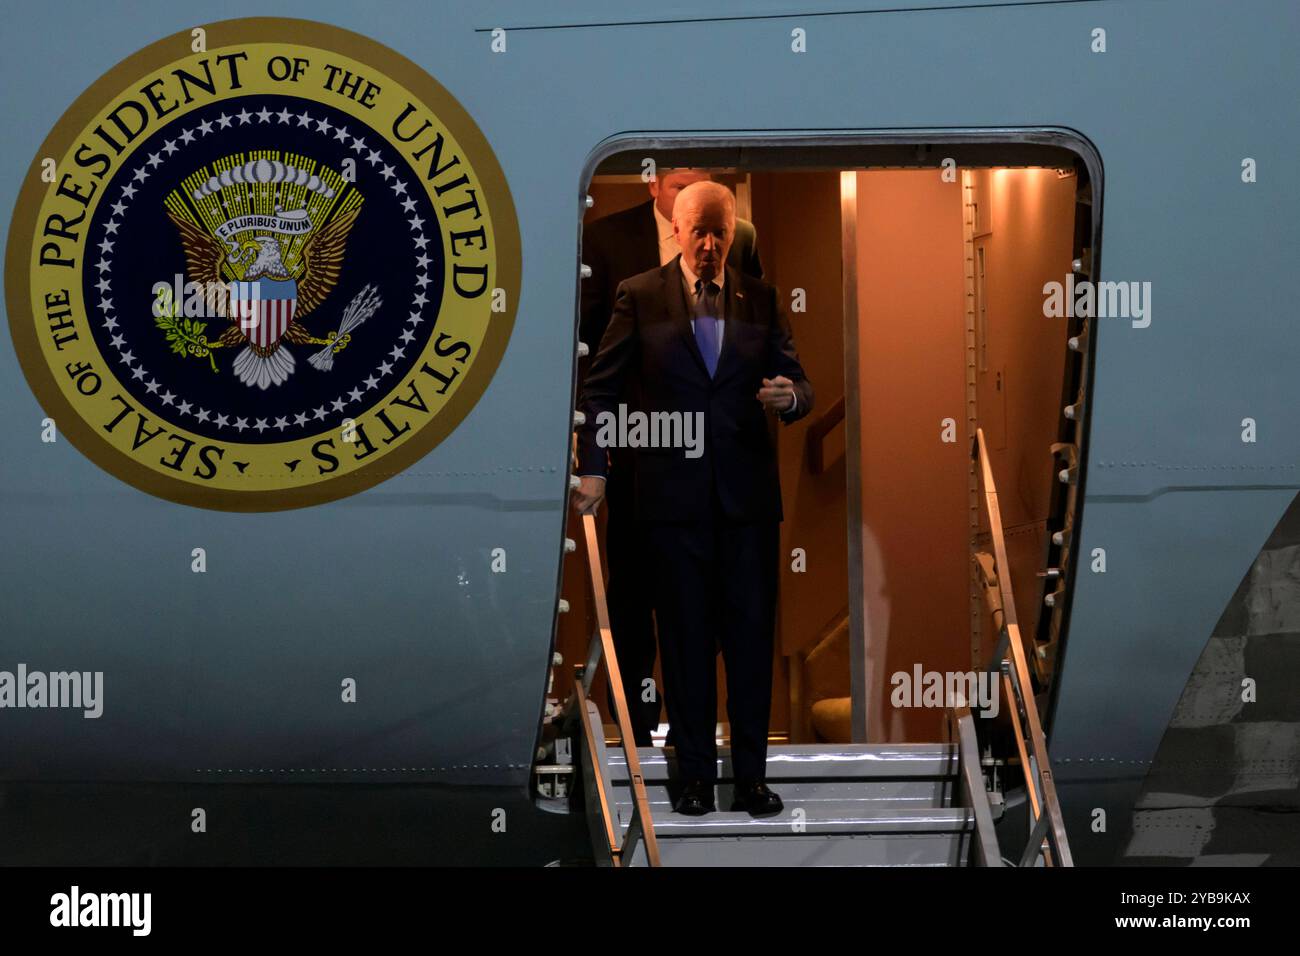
{"points": [[186, 336]]}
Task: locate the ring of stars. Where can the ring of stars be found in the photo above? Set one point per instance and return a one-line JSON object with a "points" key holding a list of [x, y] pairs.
{"points": [[149, 165]]}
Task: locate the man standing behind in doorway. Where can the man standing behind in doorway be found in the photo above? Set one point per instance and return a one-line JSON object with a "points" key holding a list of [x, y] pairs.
{"points": [[697, 338], [618, 247]]}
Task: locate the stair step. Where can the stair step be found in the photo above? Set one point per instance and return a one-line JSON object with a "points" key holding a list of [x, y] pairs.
{"points": [[837, 833], [923, 850], [921, 792], [838, 817], [812, 761]]}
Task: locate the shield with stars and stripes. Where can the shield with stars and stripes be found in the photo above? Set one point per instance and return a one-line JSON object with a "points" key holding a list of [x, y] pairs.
{"points": [[264, 308]]}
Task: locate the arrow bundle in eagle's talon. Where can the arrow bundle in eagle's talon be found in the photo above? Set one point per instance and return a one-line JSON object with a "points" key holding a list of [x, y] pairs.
{"points": [[363, 305]]}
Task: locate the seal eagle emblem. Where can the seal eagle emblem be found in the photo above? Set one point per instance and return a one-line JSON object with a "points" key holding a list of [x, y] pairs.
{"points": [[266, 273]]}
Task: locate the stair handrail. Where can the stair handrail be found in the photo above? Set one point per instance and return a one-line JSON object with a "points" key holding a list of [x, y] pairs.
{"points": [[818, 432], [970, 784], [601, 649], [1047, 832]]}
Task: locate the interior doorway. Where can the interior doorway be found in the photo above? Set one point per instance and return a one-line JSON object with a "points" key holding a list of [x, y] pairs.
{"points": [[948, 335]]}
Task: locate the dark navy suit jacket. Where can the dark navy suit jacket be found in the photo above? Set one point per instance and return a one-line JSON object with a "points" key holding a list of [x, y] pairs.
{"points": [[650, 344]]}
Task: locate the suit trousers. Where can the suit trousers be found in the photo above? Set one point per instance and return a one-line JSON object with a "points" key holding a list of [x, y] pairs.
{"points": [[630, 605], [715, 582]]}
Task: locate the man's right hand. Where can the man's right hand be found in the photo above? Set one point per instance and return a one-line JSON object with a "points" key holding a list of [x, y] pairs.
{"points": [[589, 495]]}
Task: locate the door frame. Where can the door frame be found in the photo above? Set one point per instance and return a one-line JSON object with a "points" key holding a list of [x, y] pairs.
{"points": [[848, 151]]}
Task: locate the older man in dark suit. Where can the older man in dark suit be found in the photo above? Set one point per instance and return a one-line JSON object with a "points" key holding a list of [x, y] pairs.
{"points": [[618, 247], [701, 339]]}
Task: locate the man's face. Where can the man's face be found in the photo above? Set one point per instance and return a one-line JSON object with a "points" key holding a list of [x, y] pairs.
{"points": [[704, 231], [666, 187]]}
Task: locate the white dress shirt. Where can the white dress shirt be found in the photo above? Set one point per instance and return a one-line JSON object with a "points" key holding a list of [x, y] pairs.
{"points": [[668, 247]]}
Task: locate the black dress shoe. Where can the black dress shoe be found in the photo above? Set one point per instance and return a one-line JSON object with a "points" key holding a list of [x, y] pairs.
{"points": [[696, 799], [756, 800]]}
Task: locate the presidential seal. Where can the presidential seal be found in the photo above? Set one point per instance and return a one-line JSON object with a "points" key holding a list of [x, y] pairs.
{"points": [[262, 275]]}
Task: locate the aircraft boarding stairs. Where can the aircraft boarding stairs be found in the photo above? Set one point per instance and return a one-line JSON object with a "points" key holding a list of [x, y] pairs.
{"points": [[926, 804], [845, 805]]}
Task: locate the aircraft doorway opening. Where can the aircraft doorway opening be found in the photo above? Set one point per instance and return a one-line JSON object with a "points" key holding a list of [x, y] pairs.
{"points": [[915, 293]]}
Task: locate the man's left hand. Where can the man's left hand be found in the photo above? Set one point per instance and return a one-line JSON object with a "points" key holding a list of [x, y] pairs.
{"points": [[777, 394]]}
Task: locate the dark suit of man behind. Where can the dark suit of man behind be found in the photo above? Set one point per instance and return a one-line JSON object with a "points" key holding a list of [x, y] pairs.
{"points": [[710, 523], [618, 247]]}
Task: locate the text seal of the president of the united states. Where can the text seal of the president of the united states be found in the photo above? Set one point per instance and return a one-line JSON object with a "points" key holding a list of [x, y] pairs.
{"points": [[263, 265]]}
